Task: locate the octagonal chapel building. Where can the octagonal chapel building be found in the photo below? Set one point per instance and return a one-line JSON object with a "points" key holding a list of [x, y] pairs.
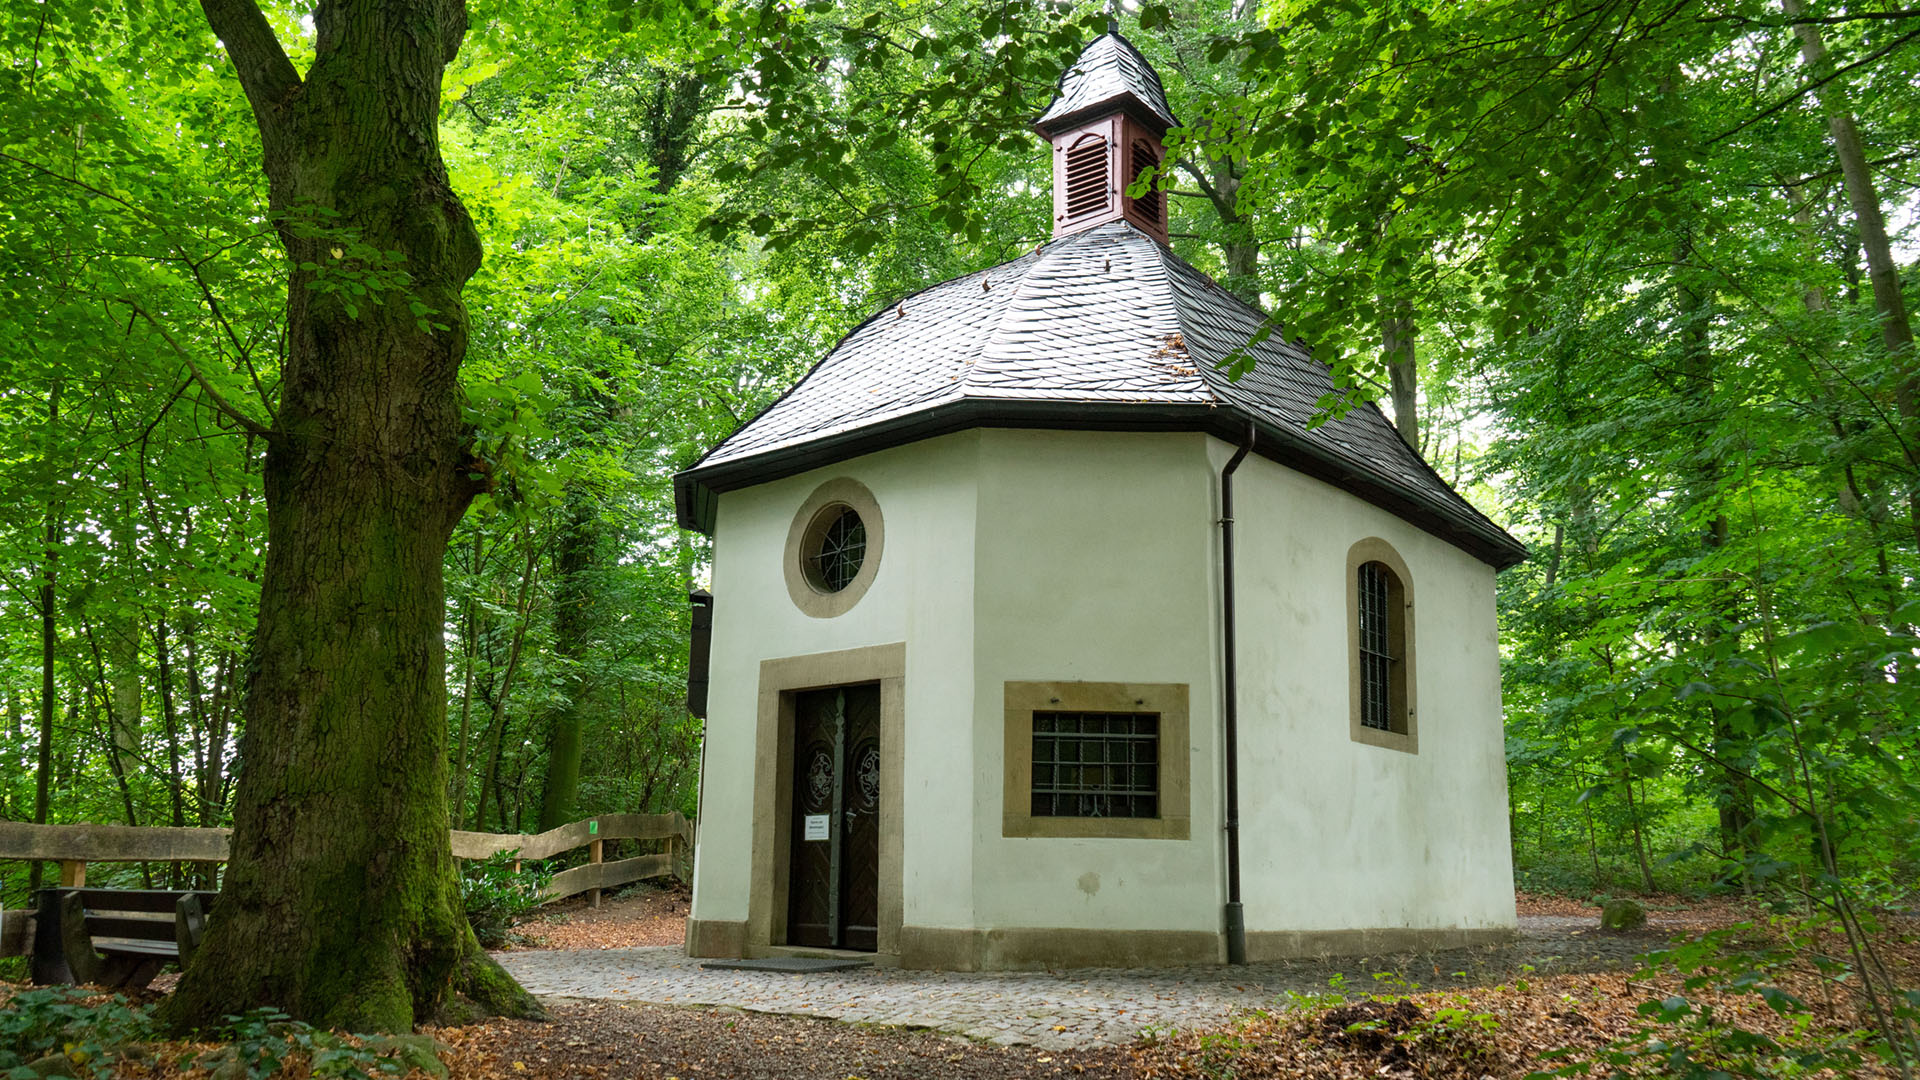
{"points": [[1037, 641]]}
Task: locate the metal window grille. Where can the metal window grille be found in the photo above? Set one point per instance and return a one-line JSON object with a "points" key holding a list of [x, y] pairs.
{"points": [[1096, 764], [843, 547], [1376, 659]]}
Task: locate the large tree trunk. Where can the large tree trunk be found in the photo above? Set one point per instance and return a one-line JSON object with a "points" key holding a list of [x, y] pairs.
{"points": [[341, 905]]}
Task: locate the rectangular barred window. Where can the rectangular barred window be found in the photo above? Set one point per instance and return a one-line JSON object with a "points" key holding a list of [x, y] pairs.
{"points": [[1096, 764], [1376, 659]]}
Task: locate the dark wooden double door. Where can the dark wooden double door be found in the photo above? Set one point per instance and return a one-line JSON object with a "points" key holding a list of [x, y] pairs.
{"points": [[833, 883]]}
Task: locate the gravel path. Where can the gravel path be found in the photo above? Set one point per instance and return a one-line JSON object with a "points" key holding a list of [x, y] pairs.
{"points": [[1057, 1009]]}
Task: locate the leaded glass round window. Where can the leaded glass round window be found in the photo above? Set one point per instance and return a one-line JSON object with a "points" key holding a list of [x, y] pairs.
{"points": [[834, 548], [836, 556]]}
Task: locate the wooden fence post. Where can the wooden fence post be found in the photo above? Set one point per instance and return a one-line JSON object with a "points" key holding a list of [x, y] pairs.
{"points": [[593, 855], [73, 874]]}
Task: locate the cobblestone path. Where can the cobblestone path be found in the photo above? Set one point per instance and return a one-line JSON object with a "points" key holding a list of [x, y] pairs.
{"points": [[1047, 1009]]}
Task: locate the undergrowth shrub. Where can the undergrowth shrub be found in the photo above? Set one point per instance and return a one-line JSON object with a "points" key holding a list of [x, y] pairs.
{"points": [[1823, 1024], [1330, 1034], [265, 1043], [496, 897], [64, 1021]]}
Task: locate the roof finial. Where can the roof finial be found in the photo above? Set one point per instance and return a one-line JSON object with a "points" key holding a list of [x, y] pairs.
{"points": [[1113, 16]]}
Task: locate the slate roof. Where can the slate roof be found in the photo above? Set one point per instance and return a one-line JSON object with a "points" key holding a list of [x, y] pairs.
{"points": [[1110, 71], [1102, 329]]}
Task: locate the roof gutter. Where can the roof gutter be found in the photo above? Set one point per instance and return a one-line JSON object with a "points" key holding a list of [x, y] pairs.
{"points": [[1235, 917], [696, 489]]}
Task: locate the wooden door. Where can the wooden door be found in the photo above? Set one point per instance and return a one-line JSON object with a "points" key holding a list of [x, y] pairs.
{"points": [[833, 881]]}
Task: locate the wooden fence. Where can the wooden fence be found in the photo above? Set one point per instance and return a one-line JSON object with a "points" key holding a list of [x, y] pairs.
{"points": [[74, 846]]}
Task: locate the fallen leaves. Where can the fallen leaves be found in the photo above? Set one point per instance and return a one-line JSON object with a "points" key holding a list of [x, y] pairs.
{"points": [[646, 916]]}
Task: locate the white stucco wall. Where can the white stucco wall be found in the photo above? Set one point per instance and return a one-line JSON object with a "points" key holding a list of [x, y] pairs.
{"points": [[1095, 563], [1338, 834], [922, 594], [1016, 555]]}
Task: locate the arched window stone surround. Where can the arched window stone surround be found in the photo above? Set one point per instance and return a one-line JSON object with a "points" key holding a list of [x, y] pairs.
{"points": [[1405, 735]]}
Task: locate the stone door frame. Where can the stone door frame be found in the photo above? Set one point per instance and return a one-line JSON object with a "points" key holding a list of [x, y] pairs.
{"points": [[780, 680]]}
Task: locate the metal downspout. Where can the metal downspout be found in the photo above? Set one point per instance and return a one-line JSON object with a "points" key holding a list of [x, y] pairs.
{"points": [[1236, 923]]}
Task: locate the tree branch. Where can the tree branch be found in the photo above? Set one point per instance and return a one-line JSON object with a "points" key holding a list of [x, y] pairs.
{"points": [[214, 396], [1816, 84], [1206, 188], [1815, 20], [265, 73]]}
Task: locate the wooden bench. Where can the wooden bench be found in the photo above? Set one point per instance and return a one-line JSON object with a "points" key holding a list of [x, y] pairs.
{"points": [[115, 937]]}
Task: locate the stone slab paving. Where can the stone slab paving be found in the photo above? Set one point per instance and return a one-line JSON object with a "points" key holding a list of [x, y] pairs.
{"points": [[1046, 1009]]}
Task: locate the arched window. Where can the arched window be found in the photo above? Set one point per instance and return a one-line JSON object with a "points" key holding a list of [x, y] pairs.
{"points": [[1380, 646]]}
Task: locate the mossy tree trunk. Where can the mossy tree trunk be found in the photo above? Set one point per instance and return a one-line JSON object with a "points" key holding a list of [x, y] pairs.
{"points": [[341, 903]]}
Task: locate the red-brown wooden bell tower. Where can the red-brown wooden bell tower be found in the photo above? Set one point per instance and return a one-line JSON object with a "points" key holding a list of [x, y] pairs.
{"points": [[1106, 124]]}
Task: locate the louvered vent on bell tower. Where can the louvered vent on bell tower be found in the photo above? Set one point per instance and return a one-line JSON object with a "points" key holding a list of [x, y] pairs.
{"points": [[1148, 204], [1087, 188]]}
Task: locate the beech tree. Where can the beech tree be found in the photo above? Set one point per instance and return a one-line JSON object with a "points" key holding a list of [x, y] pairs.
{"points": [[341, 904]]}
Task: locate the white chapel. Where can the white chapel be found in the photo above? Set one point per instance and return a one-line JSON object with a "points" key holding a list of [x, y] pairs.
{"points": [[1037, 641]]}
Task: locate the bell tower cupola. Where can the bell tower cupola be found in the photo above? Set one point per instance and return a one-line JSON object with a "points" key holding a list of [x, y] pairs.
{"points": [[1106, 124]]}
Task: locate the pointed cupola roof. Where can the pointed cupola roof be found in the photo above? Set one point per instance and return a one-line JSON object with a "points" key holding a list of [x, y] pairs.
{"points": [[1103, 329], [1110, 75]]}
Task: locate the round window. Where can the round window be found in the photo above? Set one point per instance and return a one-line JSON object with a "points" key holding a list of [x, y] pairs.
{"points": [[833, 548], [837, 547]]}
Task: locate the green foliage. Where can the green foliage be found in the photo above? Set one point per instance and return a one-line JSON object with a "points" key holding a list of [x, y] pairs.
{"points": [[59, 1020], [261, 1043], [497, 896]]}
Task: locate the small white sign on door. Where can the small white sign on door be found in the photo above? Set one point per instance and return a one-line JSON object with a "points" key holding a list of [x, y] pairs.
{"points": [[817, 826]]}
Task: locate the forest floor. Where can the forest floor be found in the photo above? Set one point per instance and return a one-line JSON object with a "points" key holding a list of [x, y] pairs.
{"points": [[644, 915], [1492, 1024], [1567, 984]]}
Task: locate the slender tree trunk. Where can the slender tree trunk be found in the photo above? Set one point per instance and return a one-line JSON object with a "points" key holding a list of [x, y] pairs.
{"points": [[1698, 365], [469, 646], [577, 559], [341, 903], [673, 106], [1403, 371], [1593, 848], [123, 634], [218, 776], [49, 639], [1883, 274], [1639, 835], [169, 720], [116, 758], [497, 722]]}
